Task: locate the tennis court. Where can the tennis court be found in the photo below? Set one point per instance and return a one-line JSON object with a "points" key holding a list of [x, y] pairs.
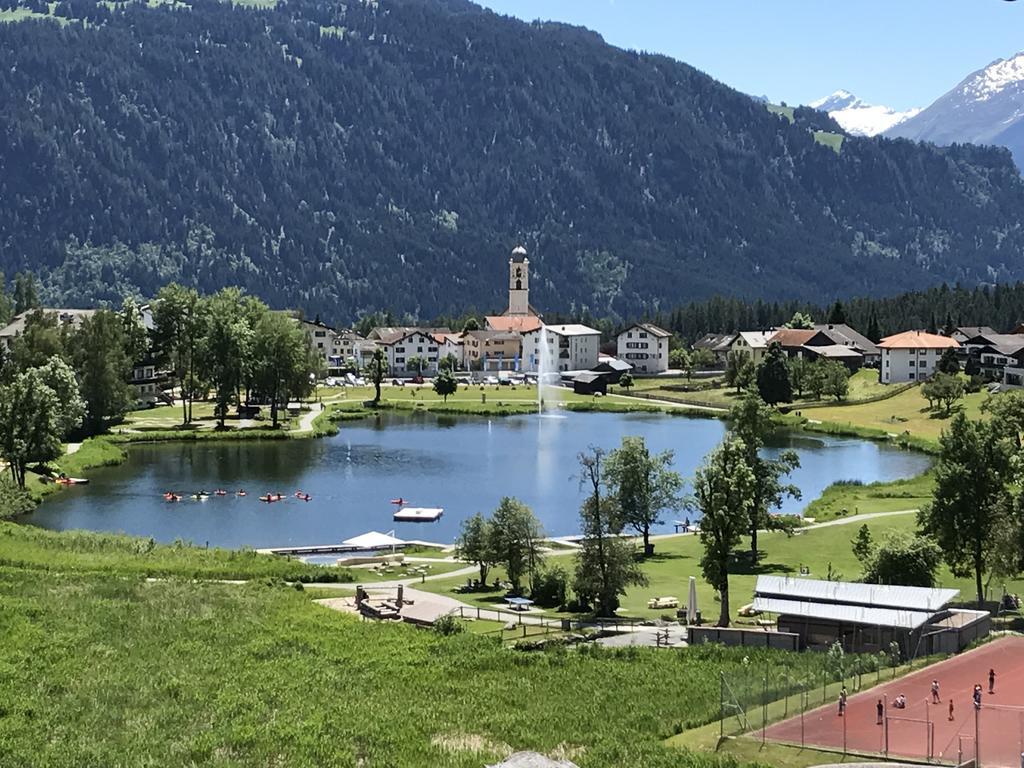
{"points": [[924, 731]]}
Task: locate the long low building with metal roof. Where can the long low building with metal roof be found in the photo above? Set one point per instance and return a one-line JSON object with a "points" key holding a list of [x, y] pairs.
{"points": [[869, 617]]}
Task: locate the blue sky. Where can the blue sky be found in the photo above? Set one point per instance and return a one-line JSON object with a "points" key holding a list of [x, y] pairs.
{"points": [[901, 53]]}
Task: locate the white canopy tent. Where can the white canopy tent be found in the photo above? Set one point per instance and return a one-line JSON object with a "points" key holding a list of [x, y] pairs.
{"points": [[373, 540]]}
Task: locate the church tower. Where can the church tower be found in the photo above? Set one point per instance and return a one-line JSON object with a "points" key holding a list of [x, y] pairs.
{"points": [[519, 283]]}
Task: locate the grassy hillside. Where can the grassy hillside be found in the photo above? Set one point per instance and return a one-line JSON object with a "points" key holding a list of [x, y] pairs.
{"points": [[117, 671]]}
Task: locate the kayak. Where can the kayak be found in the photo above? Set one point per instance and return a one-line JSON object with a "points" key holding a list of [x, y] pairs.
{"points": [[399, 501]]}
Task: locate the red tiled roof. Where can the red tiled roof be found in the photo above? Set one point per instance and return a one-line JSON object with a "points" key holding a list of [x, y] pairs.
{"points": [[520, 323], [793, 337], [917, 340]]}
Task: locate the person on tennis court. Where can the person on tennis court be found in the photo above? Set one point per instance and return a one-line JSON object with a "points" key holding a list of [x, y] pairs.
{"points": [[880, 711], [935, 692], [977, 696], [842, 701], [991, 681], [951, 717]]}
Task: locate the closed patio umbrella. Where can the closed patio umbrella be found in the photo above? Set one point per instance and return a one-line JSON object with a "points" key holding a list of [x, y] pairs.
{"points": [[691, 602]]}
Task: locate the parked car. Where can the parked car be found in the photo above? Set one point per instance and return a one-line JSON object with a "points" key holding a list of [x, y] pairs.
{"points": [[417, 379]]}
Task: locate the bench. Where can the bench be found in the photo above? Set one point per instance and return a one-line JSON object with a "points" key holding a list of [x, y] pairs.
{"points": [[659, 603]]}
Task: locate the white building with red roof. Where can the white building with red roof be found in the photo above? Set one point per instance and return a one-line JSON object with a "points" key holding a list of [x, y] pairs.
{"points": [[912, 355]]}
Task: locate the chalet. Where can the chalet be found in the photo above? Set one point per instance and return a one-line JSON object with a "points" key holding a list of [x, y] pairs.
{"points": [[753, 344], [965, 333], [842, 334], [403, 346], [718, 344], [645, 347], [66, 318]]}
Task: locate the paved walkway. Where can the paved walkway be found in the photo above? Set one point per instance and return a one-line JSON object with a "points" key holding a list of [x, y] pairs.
{"points": [[849, 519], [670, 403]]}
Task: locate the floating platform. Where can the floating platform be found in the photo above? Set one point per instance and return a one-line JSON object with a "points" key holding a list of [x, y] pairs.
{"points": [[418, 514]]}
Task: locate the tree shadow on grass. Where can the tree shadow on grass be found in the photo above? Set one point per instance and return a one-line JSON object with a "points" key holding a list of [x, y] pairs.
{"points": [[740, 565]]}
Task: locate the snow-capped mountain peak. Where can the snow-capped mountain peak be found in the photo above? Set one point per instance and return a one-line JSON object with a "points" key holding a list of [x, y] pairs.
{"points": [[858, 117], [836, 101], [995, 78]]}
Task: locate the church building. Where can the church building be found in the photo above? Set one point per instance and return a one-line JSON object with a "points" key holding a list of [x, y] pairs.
{"points": [[520, 317]]}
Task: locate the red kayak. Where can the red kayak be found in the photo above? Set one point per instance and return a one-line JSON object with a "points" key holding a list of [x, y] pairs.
{"points": [[399, 501]]}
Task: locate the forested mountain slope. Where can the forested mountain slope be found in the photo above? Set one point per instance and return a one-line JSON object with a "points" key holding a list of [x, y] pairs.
{"points": [[347, 156]]}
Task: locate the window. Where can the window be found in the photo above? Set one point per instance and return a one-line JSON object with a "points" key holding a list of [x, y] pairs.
{"points": [[911, 374], [399, 349], [319, 334]]}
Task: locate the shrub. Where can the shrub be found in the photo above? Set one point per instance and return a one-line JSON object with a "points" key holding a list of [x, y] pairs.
{"points": [[551, 587], [449, 624]]}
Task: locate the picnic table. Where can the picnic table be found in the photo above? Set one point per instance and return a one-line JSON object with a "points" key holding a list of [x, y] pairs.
{"points": [[519, 603], [658, 603]]}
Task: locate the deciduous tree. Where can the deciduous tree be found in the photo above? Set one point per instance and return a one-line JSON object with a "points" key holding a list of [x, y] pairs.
{"points": [[178, 328], [751, 421], [445, 384], [226, 346], [723, 493], [476, 544], [516, 537], [279, 360], [643, 484], [605, 566], [970, 497], [378, 369], [29, 423], [103, 368], [737, 368]]}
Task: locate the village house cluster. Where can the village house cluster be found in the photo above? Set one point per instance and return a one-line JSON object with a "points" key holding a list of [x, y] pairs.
{"points": [[517, 341], [900, 358]]}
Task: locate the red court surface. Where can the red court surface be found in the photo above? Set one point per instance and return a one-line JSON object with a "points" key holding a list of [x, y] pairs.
{"points": [[1000, 731]]}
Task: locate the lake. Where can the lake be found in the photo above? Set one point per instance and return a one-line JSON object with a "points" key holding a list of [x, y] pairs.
{"points": [[463, 464]]}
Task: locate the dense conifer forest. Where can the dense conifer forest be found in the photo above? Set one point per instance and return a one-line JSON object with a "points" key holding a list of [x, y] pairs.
{"points": [[348, 157]]}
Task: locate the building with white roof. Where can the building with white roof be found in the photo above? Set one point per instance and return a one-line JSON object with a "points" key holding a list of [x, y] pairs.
{"points": [[558, 348], [867, 618], [754, 344]]}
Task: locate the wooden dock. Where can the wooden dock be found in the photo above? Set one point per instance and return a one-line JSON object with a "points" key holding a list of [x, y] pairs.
{"points": [[330, 549]]}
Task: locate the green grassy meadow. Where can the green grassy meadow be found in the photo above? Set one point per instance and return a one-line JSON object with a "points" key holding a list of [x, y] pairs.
{"points": [[823, 551], [905, 412], [863, 384], [108, 670], [71, 553]]}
